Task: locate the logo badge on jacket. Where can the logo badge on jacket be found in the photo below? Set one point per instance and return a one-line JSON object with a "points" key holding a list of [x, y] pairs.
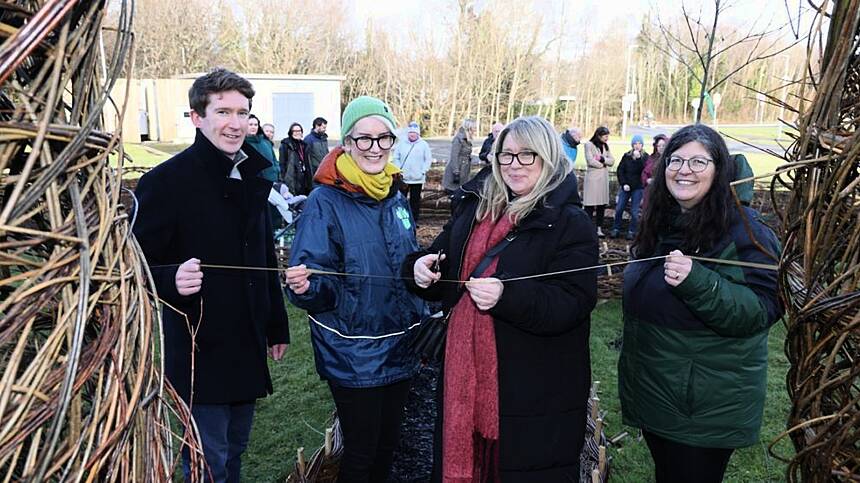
{"points": [[403, 214]]}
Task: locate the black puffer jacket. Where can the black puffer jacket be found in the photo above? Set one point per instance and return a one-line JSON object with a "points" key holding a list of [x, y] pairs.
{"points": [[630, 170], [542, 329]]}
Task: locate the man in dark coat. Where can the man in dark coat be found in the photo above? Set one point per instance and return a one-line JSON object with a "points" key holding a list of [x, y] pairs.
{"points": [[317, 142], [488, 143], [208, 204]]}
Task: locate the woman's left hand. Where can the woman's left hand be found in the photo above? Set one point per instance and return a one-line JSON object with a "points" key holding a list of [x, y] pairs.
{"points": [[486, 292], [676, 268]]}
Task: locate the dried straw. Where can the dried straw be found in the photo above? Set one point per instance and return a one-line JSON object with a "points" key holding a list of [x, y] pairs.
{"points": [[820, 271], [82, 393]]}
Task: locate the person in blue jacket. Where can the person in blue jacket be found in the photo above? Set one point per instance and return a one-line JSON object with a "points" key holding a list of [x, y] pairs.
{"points": [[570, 140], [358, 222]]}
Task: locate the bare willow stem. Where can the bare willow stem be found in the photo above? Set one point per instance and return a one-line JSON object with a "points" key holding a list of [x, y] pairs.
{"points": [[82, 389], [819, 278]]}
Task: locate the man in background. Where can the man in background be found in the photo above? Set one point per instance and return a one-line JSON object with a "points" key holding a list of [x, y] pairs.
{"points": [[317, 143], [488, 143]]}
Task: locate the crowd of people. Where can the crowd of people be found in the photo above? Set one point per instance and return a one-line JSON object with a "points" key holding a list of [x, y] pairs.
{"points": [[515, 372]]}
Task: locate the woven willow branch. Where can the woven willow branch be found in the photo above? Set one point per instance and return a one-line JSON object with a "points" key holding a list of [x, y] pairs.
{"points": [[820, 278], [82, 392]]}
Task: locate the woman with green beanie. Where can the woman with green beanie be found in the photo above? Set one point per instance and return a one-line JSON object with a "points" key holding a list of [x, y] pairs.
{"points": [[358, 222]]}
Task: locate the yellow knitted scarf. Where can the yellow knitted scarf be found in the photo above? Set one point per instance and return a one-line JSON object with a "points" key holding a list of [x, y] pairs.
{"points": [[377, 186]]}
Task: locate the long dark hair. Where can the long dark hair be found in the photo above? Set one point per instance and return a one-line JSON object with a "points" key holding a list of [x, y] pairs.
{"points": [[290, 132], [657, 139], [595, 138], [710, 219], [259, 125]]}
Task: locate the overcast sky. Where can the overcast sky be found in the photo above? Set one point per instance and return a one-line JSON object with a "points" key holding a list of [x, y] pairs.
{"points": [[436, 16]]}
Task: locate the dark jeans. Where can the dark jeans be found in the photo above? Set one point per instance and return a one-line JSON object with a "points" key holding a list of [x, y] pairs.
{"points": [[414, 195], [678, 463], [635, 198], [370, 419], [600, 211], [224, 432]]}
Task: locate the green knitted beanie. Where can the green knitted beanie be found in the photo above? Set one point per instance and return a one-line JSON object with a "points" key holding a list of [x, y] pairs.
{"points": [[364, 106]]}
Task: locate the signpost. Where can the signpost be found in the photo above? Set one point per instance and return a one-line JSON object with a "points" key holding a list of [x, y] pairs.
{"points": [[716, 98], [695, 104]]}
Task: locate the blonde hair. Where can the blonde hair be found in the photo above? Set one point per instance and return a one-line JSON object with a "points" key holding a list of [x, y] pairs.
{"points": [[538, 135], [468, 125]]}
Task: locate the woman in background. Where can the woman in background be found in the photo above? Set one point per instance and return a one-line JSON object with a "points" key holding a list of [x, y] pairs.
{"points": [[595, 186], [295, 163]]}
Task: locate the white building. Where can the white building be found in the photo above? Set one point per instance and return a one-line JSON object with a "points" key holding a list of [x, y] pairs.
{"points": [[159, 107]]}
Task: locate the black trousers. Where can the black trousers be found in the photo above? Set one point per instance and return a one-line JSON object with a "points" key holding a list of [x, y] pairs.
{"points": [[678, 463], [414, 195], [601, 210], [370, 419]]}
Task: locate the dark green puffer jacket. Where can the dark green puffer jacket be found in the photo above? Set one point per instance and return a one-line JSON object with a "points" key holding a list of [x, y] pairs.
{"points": [[693, 365]]}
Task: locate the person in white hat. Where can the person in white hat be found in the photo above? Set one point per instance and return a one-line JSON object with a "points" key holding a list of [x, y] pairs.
{"points": [[412, 155]]}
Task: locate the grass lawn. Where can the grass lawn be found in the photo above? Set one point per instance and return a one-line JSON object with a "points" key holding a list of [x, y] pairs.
{"points": [[146, 156], [295, 416], [750, 133]]}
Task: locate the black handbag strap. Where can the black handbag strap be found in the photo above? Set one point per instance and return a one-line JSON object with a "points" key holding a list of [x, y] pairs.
{"points": [[487, 260]]}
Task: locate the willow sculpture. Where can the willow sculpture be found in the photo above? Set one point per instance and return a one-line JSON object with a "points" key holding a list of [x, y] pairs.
{"points": [[820, 269], [82, 395]]}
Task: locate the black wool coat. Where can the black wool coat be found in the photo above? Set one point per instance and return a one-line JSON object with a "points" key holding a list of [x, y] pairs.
{"points": [[188, 207], [542, 328]]}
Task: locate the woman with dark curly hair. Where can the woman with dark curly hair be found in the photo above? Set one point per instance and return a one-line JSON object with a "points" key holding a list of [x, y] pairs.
{"points": [[693, 365]]}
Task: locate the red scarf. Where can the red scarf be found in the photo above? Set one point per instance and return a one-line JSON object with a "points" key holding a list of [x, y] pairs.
{"points": [[470, 451]]}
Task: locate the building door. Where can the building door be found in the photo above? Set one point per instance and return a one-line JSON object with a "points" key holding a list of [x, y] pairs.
{"points": [[290, 107]]}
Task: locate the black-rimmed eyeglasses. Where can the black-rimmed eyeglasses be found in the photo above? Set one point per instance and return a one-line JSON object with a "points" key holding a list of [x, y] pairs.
{"points": [[697, 164], [364, 143], [526, 158]]}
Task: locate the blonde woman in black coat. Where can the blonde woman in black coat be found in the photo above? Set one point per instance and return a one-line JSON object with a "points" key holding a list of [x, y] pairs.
{"points": [[517, 371]]}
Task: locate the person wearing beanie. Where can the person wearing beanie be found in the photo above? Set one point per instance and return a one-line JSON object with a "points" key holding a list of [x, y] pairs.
{"points": [[412, 155], [357, 221], [570, 140], [629, 186]]}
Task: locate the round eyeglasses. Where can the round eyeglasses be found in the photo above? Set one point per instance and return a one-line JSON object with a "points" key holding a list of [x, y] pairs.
{"points": [[364, 143], [697, 164], [525, 158]]}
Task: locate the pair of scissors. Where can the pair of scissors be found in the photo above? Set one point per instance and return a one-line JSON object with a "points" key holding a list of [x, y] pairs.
{"points": [[438, 261]]}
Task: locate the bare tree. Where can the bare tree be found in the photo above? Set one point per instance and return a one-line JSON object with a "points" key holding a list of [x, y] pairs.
{"points": [[700, 42]]}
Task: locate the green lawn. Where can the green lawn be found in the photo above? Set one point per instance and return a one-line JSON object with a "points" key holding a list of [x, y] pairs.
{"points": [[141, 157], [752, 133], [296, 414]]}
